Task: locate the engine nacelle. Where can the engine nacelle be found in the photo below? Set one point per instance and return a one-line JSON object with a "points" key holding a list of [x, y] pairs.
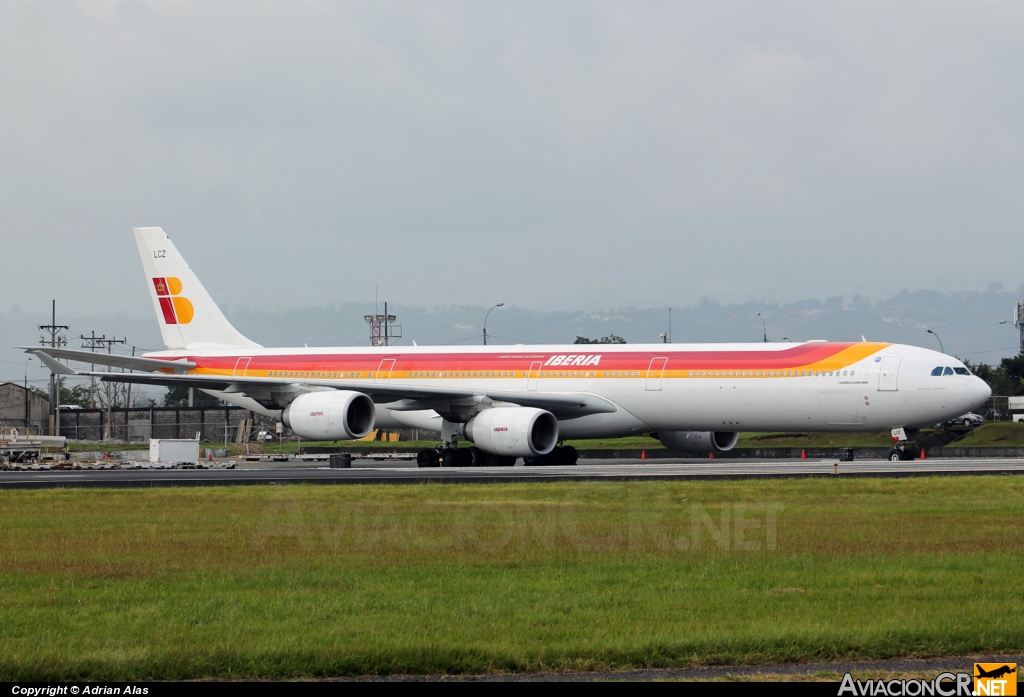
{"points": [[702, 442], [514, 431], [340, 415]]}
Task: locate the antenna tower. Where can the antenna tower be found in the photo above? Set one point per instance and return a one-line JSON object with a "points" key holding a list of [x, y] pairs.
{"points": [[385, 322]]}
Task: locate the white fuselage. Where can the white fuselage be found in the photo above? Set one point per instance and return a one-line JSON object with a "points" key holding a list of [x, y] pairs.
{"points": [[815, 386]]}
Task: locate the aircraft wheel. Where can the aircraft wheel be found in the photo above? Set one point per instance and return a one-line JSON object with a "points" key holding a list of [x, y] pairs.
{"points": [[476, 458], [896, 456], [505, 461], [427, 458], [567, 456], [450, 458]]}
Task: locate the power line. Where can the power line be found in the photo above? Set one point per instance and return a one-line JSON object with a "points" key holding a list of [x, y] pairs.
{"points": [[973, 353]]}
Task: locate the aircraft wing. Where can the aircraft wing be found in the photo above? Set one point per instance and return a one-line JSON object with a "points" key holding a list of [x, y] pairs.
{"points": [[564, 405]]}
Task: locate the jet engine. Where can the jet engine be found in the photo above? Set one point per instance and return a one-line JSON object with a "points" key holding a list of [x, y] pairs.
{"points": [[514, 431], [701, 442], [339, 415]]}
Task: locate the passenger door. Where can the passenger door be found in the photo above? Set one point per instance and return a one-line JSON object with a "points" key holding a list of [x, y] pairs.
{"points": [[384, 370], [241, 365], [655, 372], [888, 373], [532, 377]]}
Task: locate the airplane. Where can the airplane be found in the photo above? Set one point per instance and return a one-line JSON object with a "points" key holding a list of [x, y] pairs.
{"points": [[524, 401], [995, 672]]}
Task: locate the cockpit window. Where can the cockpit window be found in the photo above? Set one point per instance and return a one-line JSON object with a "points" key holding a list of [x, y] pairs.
{"points": [[948, 371], [937, 371], [962, 371]]}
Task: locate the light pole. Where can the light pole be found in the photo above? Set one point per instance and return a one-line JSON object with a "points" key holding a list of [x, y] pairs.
{"points": [[485, 320], [763, 328], [937, 337]]}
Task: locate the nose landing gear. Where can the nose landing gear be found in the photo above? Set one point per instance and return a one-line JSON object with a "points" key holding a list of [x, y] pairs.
{"points": [[905, 446]]}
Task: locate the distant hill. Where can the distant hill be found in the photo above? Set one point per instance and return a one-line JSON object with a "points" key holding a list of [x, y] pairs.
{"points": [[967, 322]]}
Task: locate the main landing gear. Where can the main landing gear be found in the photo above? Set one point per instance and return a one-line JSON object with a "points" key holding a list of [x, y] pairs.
{"points": [[562, 456], [451, 456]]}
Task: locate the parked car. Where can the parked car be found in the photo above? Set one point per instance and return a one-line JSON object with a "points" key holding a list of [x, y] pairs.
{"points": [[968, 420]]}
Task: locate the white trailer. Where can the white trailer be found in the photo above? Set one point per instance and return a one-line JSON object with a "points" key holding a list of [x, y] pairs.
{"points": [[173, 451]]}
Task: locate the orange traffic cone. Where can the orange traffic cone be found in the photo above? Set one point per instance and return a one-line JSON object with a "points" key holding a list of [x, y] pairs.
{"points": [[106, 456], [711, 456], [643, 454], [803, 454], [922, 453], [209, 455]]}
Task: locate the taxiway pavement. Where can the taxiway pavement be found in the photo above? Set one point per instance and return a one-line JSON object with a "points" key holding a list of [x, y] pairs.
{"points": [[400, 472]]}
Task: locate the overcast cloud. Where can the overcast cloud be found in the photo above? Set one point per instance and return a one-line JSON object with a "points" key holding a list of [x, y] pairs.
{"points": [[550, 155]]}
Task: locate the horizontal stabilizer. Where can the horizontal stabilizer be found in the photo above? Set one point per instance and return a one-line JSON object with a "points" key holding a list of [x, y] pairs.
{"points": [[148, 365]]}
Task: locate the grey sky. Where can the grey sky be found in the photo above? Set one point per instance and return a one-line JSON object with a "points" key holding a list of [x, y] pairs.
{"points": [[550, 155]]}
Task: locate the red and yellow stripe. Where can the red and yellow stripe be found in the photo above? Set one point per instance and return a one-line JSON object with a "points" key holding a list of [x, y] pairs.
{"points": [[799, 360]]}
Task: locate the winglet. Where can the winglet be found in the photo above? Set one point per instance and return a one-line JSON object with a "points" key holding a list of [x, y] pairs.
{"points": [[53, 364]]}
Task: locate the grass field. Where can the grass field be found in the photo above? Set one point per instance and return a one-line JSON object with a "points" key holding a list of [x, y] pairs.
{"points": [[296, 581]]}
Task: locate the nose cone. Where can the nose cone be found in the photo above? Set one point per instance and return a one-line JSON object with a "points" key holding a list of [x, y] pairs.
{"points": [[978, 392]]}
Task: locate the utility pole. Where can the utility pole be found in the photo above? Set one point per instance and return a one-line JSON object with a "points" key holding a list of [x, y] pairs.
{"points": [[670, 325], [108, 431], [56, 340], [27, 402], [92, 342], [128, 394]]}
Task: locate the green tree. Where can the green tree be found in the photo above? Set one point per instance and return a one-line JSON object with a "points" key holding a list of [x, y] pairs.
{"points": [[1005, 379], [610, 339], [177, 396], [77, 396]]}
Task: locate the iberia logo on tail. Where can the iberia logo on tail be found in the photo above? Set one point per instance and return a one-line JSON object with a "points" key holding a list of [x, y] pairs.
{"points": [[176, 308]]}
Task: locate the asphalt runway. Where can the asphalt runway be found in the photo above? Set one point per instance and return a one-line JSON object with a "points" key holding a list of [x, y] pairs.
{"points": [[400, 472]]}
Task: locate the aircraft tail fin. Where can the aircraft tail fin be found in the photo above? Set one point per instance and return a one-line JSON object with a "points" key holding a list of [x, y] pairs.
{"points": [[187, 315]]}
